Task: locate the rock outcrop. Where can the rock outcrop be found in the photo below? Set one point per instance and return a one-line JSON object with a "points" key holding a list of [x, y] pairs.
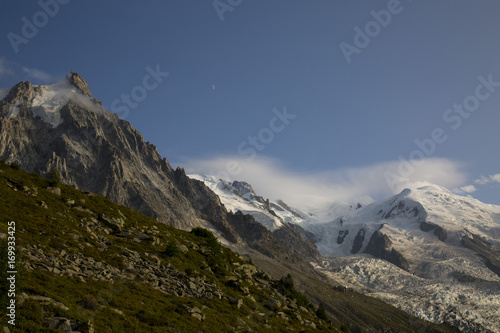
{"points": [[380, 246]]}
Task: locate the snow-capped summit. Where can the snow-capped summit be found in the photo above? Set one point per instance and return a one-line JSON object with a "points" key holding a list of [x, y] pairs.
{"points": [[283, 221], [426, 250], [46, 101], [417, 221], [240, 196], [444, 247]]}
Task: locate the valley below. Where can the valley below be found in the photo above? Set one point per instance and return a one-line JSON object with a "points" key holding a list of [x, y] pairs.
{"points": [[470, 304]]}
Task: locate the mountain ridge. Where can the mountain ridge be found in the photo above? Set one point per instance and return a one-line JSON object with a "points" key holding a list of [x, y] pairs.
{"points": [[443, 243]]}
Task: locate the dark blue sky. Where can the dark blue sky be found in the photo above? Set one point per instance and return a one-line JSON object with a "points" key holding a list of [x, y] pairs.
{"points": [[412, 61]]}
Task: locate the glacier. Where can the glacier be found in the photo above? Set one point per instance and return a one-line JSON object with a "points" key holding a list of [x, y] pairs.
{"points": [[431, 257]]}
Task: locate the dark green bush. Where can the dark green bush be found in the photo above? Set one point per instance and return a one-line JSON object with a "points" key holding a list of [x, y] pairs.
{"points": [[287, 287], [321, 312], [89, 302], [211, 241], [202, 232], [172, 249], [344, 328], [55, 179], [15, 166]]}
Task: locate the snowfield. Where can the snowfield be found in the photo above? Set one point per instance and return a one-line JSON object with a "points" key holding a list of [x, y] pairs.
{"points": [[241, 198], [445, 281], [48, 101]]}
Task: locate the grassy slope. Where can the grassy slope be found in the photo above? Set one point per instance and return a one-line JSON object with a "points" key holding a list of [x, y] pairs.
{"points": [[144, 309]]}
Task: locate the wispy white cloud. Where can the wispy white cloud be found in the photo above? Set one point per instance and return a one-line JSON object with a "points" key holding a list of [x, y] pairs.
{"points": [[37, 74], [469, 188], [19, 72], [465, 189], [273, 180], [4, 68], [488, 179]]}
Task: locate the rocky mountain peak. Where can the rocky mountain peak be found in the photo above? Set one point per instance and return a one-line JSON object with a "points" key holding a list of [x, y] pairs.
{"points": [[243, 187], [23, 91], [76, 80]]}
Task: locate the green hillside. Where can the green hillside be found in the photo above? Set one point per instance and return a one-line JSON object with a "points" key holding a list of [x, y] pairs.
{"points": [[85, 258]]}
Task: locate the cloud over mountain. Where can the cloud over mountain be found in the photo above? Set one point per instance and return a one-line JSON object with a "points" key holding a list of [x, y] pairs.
{"points": [[270, 178]]}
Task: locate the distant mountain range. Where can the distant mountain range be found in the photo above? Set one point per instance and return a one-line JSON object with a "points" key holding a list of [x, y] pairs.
{"points": [[430, 252]]}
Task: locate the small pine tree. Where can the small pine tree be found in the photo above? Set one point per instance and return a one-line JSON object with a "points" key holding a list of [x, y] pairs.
{"points": [[210, 239], [321, 312], [344, 328], [287, 283], [55, 178], [15, 166], [172, 249]]}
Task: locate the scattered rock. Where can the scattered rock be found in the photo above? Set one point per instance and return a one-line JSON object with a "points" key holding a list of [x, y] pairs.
{"points": [[54, 190], [195, 312], [123, 234], [282, 315], [342, 289], [58, 323], [183, 248], [310, 324], [247, 270], [84, 327], [236, 301], [117, 224], [272, 304]]}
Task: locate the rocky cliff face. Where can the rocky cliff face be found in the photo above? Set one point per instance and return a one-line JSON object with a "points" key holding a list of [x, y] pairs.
{"points": [[63, 126], [93, 150]]}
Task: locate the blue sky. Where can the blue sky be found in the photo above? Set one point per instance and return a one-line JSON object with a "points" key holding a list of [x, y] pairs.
{"points": [[332, 111]]}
